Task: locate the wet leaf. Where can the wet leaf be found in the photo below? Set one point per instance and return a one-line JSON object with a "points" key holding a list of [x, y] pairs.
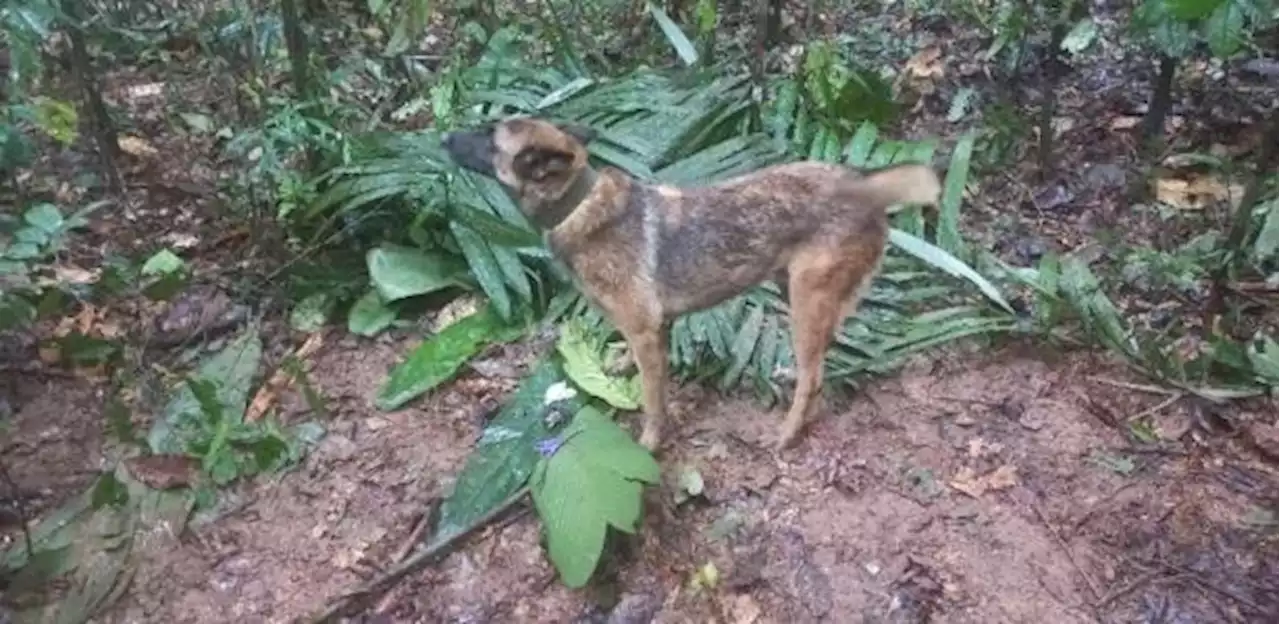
{"points": [[690, 484], [370, 315], [438, 358], [506, 454], [1081, 36], [946, 262], [399, 272], [201, 124]]}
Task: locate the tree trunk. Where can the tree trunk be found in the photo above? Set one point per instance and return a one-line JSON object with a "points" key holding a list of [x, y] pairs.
{"points": [[296, 43], [104, 131], [1161, 101]]}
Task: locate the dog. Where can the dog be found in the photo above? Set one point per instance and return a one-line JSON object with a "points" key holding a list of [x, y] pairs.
{"points": [[646, 254]]}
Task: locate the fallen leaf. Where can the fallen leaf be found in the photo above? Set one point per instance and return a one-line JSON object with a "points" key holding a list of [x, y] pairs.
{"points": [[1194, 193], [968, 481], [708, 576], [1125, 122], [148, 90], [1002, 478], [76, 275], [136, 146], [926, 63], [162, 472], [280, 380], [744, 609]]}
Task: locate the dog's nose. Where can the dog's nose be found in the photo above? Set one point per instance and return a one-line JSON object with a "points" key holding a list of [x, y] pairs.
{"points": [[448, 140]]}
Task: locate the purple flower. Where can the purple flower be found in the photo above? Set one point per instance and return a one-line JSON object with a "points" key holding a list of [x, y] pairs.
{"points": [[549, 446]]}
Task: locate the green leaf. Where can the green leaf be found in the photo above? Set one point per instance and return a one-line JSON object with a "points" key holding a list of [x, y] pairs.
{"points": [[864, 140], [438, 358], [583, 365], [1267, 243], [948, 232], [1191, 10], [1081, 36], [163, 262], [312, 312], [231, 372], [57, 119], [370, 315], [400, 272], [45, 216], [1224, 29], [506, 454], [948, 263], [743, 346], [201, 124], [590, 483], [484, 267], [684, 48]]}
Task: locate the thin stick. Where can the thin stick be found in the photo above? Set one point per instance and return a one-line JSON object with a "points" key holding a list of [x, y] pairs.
{"points": [[1071, 555], [1136, 387], [350, 601], [1173, 398]]}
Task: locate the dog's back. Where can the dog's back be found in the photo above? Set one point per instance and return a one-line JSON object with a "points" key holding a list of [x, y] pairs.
{"points": [[712, 242]]}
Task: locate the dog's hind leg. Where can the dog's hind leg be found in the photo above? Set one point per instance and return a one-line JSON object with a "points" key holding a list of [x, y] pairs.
{"points": [[823, 285]]}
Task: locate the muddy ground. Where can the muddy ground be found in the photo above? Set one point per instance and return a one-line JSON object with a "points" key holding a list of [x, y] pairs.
{"points": [[981, 487]]}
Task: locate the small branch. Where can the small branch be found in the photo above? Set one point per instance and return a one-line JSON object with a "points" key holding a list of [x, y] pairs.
{"points": [[1173, 398], [1071, 555], [352, 600]]}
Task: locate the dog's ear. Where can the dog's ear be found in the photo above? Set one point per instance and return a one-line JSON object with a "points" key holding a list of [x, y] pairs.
{"points": [[584, 134], [538, 164]]}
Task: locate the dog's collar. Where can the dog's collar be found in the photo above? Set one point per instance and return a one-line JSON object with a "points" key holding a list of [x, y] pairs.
{"points": [[554, 213]]}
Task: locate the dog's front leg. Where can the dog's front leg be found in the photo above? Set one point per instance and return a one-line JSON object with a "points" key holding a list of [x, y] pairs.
{"points": [[648, 345]]}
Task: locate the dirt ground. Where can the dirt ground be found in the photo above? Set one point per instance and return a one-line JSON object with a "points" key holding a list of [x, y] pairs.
{"points": [[991, 489]]}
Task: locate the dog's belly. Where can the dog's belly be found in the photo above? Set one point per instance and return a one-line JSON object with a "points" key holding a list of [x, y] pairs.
{"points": [[710, 285]]}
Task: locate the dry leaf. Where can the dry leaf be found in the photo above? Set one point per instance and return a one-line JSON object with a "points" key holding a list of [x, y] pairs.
{"points": [[968, 482], [1125, 122], [926, 63], [162, 472], [148, 90], [1194, 193], [280, 380], [744, 609], [136, 146], [50, 353], [1002, 478], [76, 275]]}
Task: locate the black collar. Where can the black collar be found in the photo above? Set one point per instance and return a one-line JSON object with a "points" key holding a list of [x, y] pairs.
{"points": [[554, 213]]}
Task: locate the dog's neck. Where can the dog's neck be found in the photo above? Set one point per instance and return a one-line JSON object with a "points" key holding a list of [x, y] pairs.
{"points": [[553, 213]]}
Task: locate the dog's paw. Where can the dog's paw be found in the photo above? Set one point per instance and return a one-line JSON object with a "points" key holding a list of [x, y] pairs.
{"points": [[651, 440], [787, 437], [621, 365]]}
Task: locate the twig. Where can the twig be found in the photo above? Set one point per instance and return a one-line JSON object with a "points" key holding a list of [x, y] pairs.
{"points": [[1129, 587], [1071, 555], [1135, 386], [415, 536], [350, 601], [1173, 398]]}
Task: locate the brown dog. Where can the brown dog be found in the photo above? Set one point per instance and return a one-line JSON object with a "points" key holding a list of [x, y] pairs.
{"points": [[647, 254]]}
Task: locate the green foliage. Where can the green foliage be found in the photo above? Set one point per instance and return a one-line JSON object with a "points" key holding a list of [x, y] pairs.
{"points": [[205, 419], [27, 249], [585, 366], [589, 480], [438, 358], [1174, 27]]}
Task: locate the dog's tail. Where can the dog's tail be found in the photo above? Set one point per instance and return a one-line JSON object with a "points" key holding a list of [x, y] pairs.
{"points": [[892, 187]]}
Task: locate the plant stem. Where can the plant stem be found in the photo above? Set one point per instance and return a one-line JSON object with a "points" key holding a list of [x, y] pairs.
{"points": [[296, 43], [1161, 100], [104, 132]]}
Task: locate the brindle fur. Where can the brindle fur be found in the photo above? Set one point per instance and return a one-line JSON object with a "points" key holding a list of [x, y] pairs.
{"points": [[646, 254]]}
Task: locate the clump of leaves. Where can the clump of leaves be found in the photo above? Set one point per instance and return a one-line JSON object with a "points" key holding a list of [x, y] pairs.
{"points": [[27, 247]]}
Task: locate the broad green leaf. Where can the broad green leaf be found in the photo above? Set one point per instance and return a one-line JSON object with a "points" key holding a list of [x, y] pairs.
{"points": [[506, 454], [439, 357], [1224, 29], [948, 263], [589, 484], [57, 119], [370, 315], [743, 346], [864, 140], [47, 217], [231, 371], [399, 272], [1190, 10], [684, 48], [582, 364]]}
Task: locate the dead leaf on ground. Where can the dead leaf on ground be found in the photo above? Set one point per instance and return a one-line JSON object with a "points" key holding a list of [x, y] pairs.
{"points": [[1125, 122], [162, 472], [147, 90], [926, 64], [136, 146], [280, 380], [1196, 192], [743, 609], [968, 481]]}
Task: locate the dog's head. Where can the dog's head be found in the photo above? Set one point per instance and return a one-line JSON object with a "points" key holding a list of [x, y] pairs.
{"points": [[537, 160]]}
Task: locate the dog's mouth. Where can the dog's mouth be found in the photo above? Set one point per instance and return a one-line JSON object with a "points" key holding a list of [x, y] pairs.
{"points": [[471, 150]]}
